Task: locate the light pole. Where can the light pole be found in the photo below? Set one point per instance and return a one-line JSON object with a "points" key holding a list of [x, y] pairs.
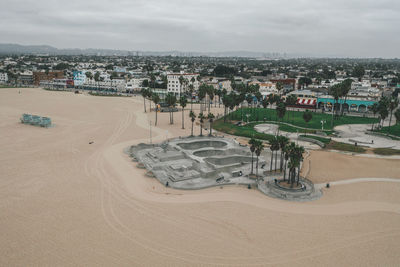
{"points": [[322, 124], [247, 115], [150, 132]]}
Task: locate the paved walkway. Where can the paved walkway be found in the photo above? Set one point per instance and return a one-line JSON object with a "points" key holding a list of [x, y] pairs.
{"points": [[350, 133], [358, 180]]}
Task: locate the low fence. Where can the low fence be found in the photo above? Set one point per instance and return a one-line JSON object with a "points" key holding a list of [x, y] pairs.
{"points": [[311, 140], [35, 120]]}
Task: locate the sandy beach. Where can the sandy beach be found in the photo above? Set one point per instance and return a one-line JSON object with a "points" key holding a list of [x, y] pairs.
{"points": [[65, 202]]}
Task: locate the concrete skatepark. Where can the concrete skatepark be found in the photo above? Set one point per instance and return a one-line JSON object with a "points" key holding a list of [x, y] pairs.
{"points": [[201, 162]]}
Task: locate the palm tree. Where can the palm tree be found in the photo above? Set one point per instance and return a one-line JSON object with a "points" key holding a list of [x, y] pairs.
{"points": [[374, 109], [397, 116], [183, 102], [144, 93], [210, 92], [202, 94], [307, 116], [279, 87], [394, 102], [210, 118], [201, 117], [283, 142], [383, 106], [291, 100], [156, 99], [181, 83], [170, 99], [274, 146], [259, 149], [192, 116], [286, 151], [280, 111], [252, 143], [191, 90]]}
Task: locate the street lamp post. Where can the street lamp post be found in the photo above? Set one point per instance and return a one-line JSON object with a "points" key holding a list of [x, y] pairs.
{"points": [[322, 124], [150, 132]]}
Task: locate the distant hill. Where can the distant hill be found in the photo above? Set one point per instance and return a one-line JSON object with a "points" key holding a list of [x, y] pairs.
{"points": [[46, 49]]}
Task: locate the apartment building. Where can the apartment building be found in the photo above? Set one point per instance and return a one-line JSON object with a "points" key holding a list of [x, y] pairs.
{"points": [[174, 86]]}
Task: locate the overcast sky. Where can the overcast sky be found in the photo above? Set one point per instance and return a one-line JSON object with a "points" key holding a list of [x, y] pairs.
{"points": [[355, 28]]}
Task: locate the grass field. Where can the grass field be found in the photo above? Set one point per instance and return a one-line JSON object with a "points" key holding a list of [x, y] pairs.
{"points": [[249, 132], [245, 131], [296, 118], [394, 130], [386, 151], [345, 147]]}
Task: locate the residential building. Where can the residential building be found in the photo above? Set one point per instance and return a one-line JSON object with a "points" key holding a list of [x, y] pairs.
{"points": [[79, 78], [174, 86], [39, 76], [3, 77]]}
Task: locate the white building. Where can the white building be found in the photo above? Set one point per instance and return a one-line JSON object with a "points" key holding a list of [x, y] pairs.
{"points": [[79, 78], [134, 84], [3, 77], [174, 85], [266, 88]]}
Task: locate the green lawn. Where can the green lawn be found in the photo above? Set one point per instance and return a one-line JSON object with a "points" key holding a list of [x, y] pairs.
{"points": [[293, 129], [296, 118], [321, 139], [386, 151], [248, 131], [245, 131], [345, 147], [394, 130]]}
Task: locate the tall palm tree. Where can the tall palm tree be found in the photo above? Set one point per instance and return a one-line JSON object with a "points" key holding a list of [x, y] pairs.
{"points": [[210, 93], [144, 93], [383, 107], [259, 149], [397, 116], [307, 116], [191, 90], [202, 94], [394, 103], [283, 142], [192, 116], [279, 87], [201, 117], [183, 102], [374, 109], [274, 146], [210, 118], [181, 83], [170, 99], [252, 143], [156, 99]]}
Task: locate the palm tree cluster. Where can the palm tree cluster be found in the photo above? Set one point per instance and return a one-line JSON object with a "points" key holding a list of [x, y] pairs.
{"points": [[146, 94], [340, 91], [210, 117], [386, 107], [256, 147], [291, 156]]}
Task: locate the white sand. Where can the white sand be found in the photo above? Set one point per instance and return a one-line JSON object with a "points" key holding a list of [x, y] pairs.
{"points": [[66, 202]]}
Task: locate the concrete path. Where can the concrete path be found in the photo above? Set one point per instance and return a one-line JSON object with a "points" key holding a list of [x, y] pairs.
{"points": [[358, 180], [350, 133]]}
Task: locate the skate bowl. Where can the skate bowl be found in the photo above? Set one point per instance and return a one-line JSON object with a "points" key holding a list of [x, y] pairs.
{"points": [[229, 160], [209, 153], [202, 144]]}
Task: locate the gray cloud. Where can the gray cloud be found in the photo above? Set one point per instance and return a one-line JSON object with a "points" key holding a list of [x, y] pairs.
{"points": [[358, 28]]}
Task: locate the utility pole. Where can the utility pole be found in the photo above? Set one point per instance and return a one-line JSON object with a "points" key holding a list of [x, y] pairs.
{"points": [[150, 133]]}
